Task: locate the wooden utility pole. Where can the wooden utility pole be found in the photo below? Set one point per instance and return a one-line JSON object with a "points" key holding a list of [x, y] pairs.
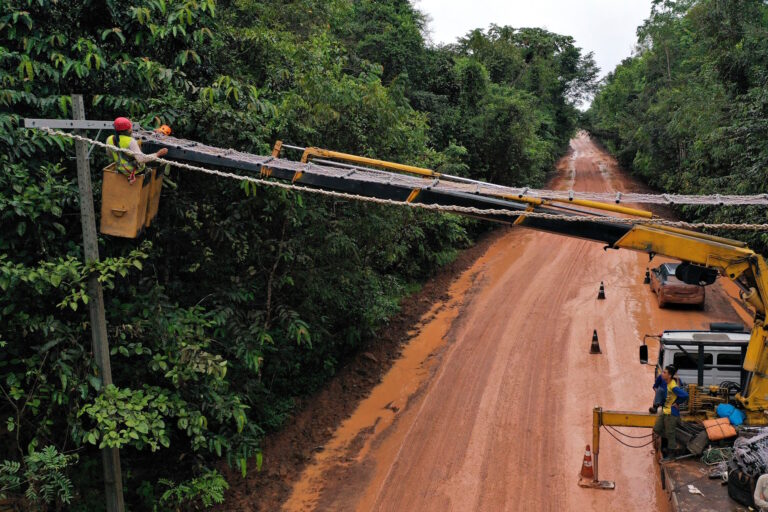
{"points": [[113, 481]]}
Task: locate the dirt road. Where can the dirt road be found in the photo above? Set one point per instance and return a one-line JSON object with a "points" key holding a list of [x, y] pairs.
{"points": [[489, 408]]}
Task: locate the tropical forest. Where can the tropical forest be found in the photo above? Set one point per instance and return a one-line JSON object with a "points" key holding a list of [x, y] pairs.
{"points": [[241, 302]]}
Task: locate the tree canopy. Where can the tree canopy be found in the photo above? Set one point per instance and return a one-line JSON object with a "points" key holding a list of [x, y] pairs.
{"points": [[688, 112]]}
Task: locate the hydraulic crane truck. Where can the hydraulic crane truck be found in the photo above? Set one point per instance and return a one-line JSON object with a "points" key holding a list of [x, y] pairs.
{"points": [[704, 257]]}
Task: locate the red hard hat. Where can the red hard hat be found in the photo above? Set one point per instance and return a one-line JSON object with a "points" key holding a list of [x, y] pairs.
{"points": [[122, 124]]}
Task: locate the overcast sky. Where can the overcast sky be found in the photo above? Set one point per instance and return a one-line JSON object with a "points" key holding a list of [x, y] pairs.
{"points": [[606, 27]]}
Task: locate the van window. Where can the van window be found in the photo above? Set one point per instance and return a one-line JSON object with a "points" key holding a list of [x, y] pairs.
{"points": [[683, 362], [668, 269], [729, 360]]}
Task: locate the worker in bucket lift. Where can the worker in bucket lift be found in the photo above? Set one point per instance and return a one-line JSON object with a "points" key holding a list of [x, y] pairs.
{"points": [[123, 138], [667, 421]]}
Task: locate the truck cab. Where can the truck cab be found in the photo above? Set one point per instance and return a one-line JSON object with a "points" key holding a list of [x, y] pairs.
{"points": [[706, 358]]}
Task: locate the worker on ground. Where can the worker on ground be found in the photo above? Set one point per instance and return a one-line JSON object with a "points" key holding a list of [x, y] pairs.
{"points": [[126, 164], [660, 392], [667, 421], [761, 493]]}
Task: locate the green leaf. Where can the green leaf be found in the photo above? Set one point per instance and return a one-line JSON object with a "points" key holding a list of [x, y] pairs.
{"points": [[243, 465], [63, 102], [95, 382]]}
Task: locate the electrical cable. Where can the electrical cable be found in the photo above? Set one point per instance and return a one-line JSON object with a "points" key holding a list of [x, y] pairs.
{"points": [[625, 444], [625, 434]]}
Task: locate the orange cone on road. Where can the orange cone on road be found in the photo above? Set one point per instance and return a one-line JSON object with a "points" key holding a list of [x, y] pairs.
{"points": [[601, 292], [595, 347], [586, 466], [588, 475]]}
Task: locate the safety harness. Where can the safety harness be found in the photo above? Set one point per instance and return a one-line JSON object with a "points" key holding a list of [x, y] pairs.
{"points": [[122, 164]]}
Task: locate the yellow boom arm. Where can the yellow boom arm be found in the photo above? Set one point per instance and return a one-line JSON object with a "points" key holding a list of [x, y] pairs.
{"points": [[727, 257], [730, 258]]}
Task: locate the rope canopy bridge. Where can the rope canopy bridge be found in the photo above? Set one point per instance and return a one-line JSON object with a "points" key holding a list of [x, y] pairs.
{"points": [[429, 178], [416, 187]]}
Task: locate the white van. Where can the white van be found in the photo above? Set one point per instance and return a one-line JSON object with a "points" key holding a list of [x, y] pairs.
{"points": [[721, 350]]}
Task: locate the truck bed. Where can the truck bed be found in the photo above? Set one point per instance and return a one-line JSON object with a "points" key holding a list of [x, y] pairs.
{"points": [[677, 475]]}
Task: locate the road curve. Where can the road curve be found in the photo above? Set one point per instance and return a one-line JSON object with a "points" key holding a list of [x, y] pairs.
{"points": [[490, 406]]}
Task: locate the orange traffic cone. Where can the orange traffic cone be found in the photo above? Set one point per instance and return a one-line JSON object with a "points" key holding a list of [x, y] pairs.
{"points": [[586, 466], [595, 347], [601, 292]]}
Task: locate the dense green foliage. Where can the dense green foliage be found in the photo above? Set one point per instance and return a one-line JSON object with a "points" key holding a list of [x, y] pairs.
{"points": [[240, 298], [689, 112]]}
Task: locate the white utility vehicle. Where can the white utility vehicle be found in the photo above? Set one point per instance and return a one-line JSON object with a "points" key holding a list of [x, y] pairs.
{"points": [[706, 358]]}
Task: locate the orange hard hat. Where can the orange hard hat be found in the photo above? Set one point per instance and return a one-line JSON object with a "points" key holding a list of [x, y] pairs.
{"points": [[122, 124], [164, 129]]}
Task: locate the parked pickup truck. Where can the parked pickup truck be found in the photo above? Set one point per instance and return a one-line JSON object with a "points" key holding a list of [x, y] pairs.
{"points": [[707, 358], [670, 290]]}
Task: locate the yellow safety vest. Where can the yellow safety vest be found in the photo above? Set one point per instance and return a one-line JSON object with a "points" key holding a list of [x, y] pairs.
{"points": [[671, 397], [125, 164]]}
